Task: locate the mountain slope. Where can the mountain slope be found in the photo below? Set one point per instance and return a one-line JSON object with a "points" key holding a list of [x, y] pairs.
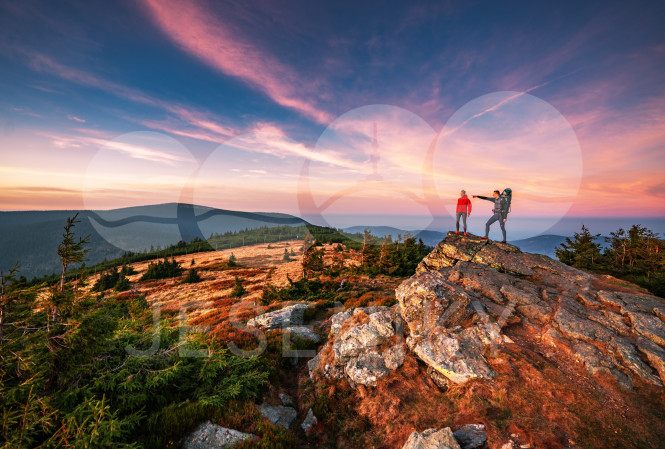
{"points": [[32, 237]]}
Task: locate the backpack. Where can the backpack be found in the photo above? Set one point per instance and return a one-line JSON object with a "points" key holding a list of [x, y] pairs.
{"points": [[507, 195]]}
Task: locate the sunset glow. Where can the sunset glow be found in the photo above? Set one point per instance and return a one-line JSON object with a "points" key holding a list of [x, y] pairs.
{"points": [[333, 109]]}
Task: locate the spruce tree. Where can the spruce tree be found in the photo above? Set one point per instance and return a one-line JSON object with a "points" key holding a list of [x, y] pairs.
{"points": [[71, 251], [238, 289], [580, 252], [4, 296]]}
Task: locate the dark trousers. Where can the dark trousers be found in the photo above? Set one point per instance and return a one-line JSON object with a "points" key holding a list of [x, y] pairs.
{"points": [[463, 215], [495, 217]]}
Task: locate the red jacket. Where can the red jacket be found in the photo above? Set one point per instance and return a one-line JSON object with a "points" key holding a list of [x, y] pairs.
{"points": [[464, 205]]}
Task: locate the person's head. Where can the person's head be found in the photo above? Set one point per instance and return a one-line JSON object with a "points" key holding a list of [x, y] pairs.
{"points": [[497, 194], [462, 193]]}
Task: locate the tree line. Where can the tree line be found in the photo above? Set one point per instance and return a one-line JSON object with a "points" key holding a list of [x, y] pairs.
{"points": [[636, 255], [378, 255]]}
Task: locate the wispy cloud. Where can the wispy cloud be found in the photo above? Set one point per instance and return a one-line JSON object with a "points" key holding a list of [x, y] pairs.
{"points": [[75, 118], [198, 31], [205, 121], [139, 149]]}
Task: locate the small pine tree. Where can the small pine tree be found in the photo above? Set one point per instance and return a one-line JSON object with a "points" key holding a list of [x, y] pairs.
{"points": [[71, 251], [286, 257], [192, 277], [122, 284], [238, 289], [269, 294], [232, 261], [312, 261]]}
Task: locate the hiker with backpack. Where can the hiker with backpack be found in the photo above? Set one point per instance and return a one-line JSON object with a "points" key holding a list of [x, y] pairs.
{"points": [[463, 210], [500, 210]]}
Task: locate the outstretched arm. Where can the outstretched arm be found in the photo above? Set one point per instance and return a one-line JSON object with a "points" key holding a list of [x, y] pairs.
{"points": [[484, 198]]}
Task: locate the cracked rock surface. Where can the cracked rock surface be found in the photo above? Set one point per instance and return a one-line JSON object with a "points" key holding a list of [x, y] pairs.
{"points": [[453, 312]]}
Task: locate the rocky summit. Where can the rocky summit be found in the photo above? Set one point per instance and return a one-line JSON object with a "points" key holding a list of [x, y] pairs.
{"points": [[454, 313]]}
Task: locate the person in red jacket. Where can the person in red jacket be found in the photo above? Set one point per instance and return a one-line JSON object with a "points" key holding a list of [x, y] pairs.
{"points": [[463, 209]]}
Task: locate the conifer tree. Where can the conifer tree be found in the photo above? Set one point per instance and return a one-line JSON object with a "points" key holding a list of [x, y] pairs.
{"points": [[4, 296], [71, 251], [580, 252], [238, 289]]}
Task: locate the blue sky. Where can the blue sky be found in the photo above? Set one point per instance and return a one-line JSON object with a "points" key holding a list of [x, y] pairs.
{"points": [[239, 96]]}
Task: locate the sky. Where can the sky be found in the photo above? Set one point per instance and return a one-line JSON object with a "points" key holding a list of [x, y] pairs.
{"points": [[334, 108]]}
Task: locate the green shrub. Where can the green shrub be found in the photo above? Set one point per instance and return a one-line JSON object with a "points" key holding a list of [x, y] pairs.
{"points": [[163, 270], [85, 390], [192, 277], [127, 270], [106, 280], [232, 261], [122, 284], [238, 289], [269, 294]]}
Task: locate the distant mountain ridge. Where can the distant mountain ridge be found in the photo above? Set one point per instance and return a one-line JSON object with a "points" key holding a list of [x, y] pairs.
{"points": [[32, 237], [541, 244]]}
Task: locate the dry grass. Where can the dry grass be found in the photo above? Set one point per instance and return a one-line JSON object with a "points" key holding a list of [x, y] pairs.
{"points": [[541, 393], [544, 398], [610, 283]]}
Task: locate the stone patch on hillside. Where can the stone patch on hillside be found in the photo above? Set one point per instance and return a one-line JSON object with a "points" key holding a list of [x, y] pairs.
{"points": [[288, 316], [212, 436]]}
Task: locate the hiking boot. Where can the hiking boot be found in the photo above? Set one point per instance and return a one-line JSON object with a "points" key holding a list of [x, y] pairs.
{"points": [[465, 234], [503, 241], [483, 238], [456, 232]]}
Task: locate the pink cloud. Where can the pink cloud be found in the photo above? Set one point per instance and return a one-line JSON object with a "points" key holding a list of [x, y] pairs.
{"points": [[196, 30], [76, 119]]}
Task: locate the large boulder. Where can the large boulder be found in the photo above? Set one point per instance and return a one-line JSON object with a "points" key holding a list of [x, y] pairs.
{"points": [[458, 355], [365, 344]]}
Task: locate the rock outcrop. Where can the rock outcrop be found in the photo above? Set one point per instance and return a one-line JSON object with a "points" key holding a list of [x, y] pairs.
{"points": [[432, 439], [365, 344], [290, 320], [478, 287], [278, 415], [289, 316], [455, 308], [471, 436], [212, 436]]}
